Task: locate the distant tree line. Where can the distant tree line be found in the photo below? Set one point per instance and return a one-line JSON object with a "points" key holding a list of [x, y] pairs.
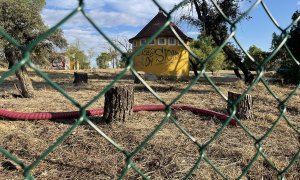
{"points": [[76, 54], [110, 57]]}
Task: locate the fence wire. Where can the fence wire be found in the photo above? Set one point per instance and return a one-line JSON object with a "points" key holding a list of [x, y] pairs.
{"points": [[282, 103]]}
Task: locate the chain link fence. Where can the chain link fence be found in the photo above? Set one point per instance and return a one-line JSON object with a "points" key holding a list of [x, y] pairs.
{"points": [[169, 117]]}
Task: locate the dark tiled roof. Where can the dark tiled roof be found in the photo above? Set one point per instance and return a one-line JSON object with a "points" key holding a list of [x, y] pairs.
{"points": [[158, 21]]}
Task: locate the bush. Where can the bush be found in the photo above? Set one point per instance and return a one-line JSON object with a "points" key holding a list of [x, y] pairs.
{"points": [[290, 74], [289, 70]]}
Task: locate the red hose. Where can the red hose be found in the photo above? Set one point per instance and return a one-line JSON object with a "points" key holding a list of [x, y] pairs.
{"points": [[98, 112]]}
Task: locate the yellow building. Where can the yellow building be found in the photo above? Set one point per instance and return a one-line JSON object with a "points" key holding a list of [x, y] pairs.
{"points": [[164, 56]]}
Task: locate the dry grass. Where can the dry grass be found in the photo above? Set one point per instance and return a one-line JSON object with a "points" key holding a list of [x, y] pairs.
{"points": [[169, 155]]}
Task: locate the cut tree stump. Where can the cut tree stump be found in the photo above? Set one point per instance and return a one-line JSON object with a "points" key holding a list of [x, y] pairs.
{"points": [[80, 78], [118, 104], [244, 109]]}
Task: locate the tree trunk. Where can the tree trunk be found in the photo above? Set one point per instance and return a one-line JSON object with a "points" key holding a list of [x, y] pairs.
{"points": [[194, 67], [13, 55], [113, 63], [236, 59], [244, 109], [119, 103], [237, 73], [10, 64], [80, 78], [25, 85]]}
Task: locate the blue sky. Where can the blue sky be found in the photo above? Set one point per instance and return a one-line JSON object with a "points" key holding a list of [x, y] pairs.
{"points": [[121, 19], [258, 30]]}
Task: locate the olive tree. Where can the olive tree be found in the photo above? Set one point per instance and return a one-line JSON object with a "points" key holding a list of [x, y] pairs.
{"points": [[203, 47], [22, 20]]}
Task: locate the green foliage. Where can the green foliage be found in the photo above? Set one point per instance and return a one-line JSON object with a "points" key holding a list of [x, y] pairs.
{"points": [[123, 62], [76, 54], [103, 60], [282, 55], [293, 41], [258, 55], [114, 57], [289, 69], [290, 74], [203, 47], [22, 20]]}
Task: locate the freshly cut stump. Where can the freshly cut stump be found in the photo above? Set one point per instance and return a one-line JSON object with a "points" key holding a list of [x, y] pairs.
{"points": [[244, 109], [80, 78], [119, 103]]}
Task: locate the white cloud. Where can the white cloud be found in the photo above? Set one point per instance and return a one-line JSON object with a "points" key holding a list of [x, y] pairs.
{"points": [[53, 16], [87, 38], [71, 4], [193, 33], [113, 19], [101, 18], [129, 12]]}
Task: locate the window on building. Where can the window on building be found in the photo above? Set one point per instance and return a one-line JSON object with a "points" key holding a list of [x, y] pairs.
{"points": [[172, 41], [143, 41], [134, 44], [161, 41], [152, 42]]}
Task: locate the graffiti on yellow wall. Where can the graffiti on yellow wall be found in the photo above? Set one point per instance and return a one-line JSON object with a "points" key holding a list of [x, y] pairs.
{"points": [[163, 60]]}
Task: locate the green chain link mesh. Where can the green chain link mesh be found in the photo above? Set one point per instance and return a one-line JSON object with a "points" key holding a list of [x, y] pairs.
{"points": [[282, 103]]}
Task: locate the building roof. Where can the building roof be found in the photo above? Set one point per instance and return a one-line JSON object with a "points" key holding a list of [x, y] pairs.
{"points": [[158, 21]]}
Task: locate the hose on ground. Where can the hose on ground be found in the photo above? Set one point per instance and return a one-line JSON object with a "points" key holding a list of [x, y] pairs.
{"points": [[98, 112]]}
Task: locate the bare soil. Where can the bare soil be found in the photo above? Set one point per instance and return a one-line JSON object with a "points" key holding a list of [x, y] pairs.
{"points": [[85, 154]]}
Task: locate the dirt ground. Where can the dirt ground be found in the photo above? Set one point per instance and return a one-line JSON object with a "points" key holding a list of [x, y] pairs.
{"points": [[85, 154]]}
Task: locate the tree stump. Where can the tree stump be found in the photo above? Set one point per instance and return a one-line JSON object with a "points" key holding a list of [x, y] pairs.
{"points": [[80, 78], [118, 104], [237, 73], [244, 109]]}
